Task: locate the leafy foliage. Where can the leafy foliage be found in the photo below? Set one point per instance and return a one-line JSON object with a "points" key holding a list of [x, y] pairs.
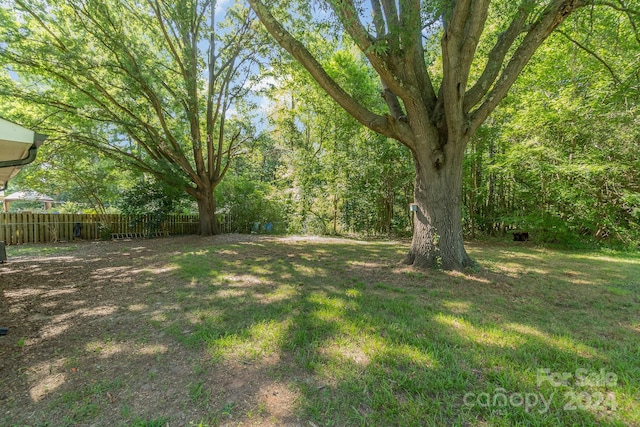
{"points": [[85, 180], [154, 200], [151, 197], [559, 157], [250, 205], [337, 177], [150, 84]]}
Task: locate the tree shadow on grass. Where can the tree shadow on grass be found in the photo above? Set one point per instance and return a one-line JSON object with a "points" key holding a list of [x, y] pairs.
{"points": [[329, 332], [360, 340], [79, 349]]}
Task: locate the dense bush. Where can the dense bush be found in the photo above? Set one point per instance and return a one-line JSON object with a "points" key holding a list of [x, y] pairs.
{"points": [[246, 205], [155, 200]]}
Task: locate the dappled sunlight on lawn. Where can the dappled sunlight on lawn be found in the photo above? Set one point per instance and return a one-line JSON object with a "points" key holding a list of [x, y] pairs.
{"points": [[242, 280], [457, 307], [155, 270], [231, 293], [345, 351], [70, 332], [634, 327], [600, 258], [491, 336], [514, 264], [45, 377], [313, 331], [463, 276], [280, 294], [562, 343], [59, 324], [22, 296], [259, 340], [570, 267], [109, 348]]}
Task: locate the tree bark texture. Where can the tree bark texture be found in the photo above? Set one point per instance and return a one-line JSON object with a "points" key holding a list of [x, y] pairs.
{"points": [[207, 210], [437, 233]]}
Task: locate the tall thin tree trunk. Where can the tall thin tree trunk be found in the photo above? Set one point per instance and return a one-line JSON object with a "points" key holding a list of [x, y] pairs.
{"points": [[335, 214], [492, 222], [473, 196]]}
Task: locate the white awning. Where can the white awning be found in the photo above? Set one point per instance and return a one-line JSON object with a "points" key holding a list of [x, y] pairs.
{"points": [[15, 143]]}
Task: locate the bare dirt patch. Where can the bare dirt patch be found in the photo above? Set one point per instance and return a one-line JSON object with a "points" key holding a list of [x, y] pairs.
{"points": [[86, 345]]}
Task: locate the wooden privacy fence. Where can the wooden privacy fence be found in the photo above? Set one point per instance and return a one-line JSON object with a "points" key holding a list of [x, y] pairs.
{"points": [[19, 228]]}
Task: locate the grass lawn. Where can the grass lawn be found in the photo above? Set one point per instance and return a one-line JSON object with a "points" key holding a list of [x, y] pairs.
{"points": [[335, 332]]}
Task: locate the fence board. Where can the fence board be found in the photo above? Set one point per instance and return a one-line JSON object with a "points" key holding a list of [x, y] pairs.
{"points": [[20, 228]]}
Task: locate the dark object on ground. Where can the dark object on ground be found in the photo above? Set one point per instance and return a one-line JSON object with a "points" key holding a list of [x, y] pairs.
{"points": [[520, 237], [77, 230], [4, 331]]}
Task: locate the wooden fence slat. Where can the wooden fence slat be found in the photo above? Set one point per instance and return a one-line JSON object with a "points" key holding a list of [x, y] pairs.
{"points": [[25, 226], [24, 221], [30, 227], [7, 228], [68, 228], [20, 228], [16, 227], [11, 230]]}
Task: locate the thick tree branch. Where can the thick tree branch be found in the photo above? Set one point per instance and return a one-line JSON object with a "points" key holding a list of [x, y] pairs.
{"points": [[155, 6], [554, 14], [496, 57], [473, 30], [395, 109], [348, 15], [414, 59], [380, 124], [378, 19], [391, 13], [386, 54], [133, 71], [452, 88]]}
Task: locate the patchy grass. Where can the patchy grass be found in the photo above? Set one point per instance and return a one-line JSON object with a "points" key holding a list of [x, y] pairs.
{"points": [[39, 250], [331, 332], [369, 342]]}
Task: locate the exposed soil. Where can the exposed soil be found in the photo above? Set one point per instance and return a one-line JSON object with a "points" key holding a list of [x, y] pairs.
{"points": [[83, 348]]}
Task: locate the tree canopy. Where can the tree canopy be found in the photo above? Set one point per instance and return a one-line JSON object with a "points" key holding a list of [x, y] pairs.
{"points": [[443, 67], [158, 85], [510, 115]]}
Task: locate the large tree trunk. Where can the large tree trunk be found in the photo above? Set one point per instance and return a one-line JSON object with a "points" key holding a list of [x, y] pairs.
{"points": [[207, 210], [437, 232]]}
